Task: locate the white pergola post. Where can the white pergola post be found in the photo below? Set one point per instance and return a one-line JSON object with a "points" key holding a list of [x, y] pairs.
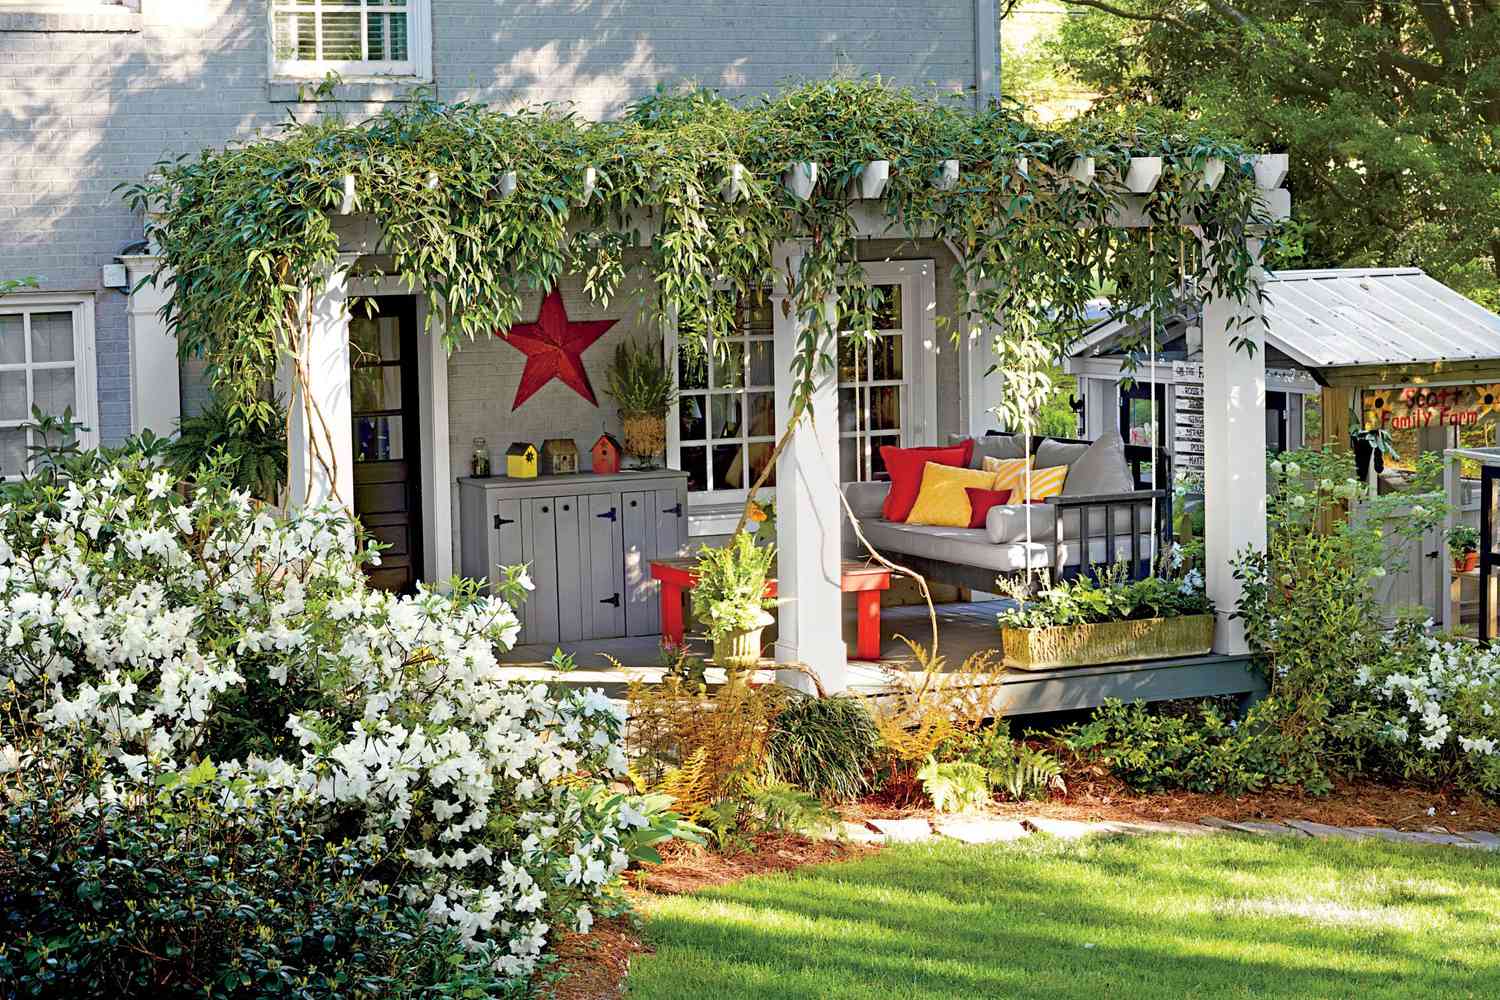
{"points": [[321, 441], [1234, 449], [155, 393], [809, 515]]}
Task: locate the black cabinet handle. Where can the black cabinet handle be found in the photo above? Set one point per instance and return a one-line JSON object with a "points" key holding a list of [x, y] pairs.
{"points": [[673, 510], [501, 522], [615, 600], [609, 514]]}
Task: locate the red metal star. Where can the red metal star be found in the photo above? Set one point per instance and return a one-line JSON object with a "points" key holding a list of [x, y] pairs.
{"points": [[554, 346]]}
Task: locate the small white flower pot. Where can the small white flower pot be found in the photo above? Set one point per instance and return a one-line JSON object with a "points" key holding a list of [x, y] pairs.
{"points": [[947, 176], [800, 179], [873, 179]]}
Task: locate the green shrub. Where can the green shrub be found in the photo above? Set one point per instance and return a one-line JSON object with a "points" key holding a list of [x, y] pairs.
{"points": [[828, 746], [1197, 746], [955, 785], [1010, 766], [172, 893], [252, 448]]}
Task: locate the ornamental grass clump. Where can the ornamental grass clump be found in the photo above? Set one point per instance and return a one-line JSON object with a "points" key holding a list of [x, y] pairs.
{"points": [[171, 630], [828, 746]]}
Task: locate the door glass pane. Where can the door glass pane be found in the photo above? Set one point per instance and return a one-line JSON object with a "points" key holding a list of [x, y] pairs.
{"points": [[379, 439], [851, 358], [692, 372], [377, 339], [877, 463], [758, 316], [885, 408], [729, 467], [12, 451], [54, 390], [726, 415], [12, 344], [13, 396], [888, 314], [760, 454], [695, 464], [762, 365], [690, 422], [376, 388], [762, 406], [848, 464], [51, 337], [848, 410], [887, 364]]}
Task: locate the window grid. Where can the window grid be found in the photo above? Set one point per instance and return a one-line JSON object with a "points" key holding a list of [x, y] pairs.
{"points": [[873, 409], [15, 441], [726, 410], [383, 35]]}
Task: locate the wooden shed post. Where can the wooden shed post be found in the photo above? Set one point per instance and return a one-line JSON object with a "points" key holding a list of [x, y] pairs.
{"points": [[809, 512]]}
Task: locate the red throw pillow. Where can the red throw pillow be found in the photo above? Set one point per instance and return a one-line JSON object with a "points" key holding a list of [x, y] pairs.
{"points": [[905, 466], [980, 502]]}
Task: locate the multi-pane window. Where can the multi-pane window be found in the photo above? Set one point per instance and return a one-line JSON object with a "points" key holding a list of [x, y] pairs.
{"points": [[312, 37], [726, 410], [40, 366], [376, 389], [873, 388]]}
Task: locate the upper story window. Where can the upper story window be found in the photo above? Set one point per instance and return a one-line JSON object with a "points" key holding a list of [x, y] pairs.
{"points": [[46, 352], [353, 38]]}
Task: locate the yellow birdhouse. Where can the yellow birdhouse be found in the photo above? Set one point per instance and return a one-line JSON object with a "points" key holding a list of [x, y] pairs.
{"points": [[520, 461]]}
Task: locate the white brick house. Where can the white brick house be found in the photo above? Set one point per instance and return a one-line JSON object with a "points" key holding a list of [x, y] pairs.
{"points": [[93, 92]]}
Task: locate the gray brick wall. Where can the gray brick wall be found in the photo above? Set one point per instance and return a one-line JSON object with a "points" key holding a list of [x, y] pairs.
{"points": [[95, 102]]}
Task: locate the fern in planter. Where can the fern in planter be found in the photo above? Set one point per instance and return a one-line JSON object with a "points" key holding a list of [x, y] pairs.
{"points": [[256, 448], [1110, 598], [641, 384]]}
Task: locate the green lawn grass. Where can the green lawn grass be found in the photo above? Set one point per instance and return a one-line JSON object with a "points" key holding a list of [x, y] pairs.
{"points": [[1132, 917]]}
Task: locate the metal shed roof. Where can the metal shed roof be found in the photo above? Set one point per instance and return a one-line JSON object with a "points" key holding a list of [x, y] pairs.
{"points": [[1345, 317]]}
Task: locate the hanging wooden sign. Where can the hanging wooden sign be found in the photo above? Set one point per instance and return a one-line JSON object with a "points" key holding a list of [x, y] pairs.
{"points": [[1413, 407]]}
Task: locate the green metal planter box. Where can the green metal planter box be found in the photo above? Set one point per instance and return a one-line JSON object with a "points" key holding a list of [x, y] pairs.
{"points": [[1107, 642]]}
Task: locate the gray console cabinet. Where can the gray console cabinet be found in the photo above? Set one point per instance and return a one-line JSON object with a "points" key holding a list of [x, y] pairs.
{"points": [[589, 540]]}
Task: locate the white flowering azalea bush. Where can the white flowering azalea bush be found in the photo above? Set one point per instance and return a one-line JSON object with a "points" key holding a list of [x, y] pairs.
{"points": [[166, 627], [1431, 711]]}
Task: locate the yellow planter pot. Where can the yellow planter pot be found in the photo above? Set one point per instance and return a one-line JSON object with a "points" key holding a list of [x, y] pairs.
{"points": [[740, 650], [1107, 642]]}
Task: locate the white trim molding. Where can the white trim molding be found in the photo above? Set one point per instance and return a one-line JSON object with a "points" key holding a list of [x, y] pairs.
{"points": [[155, 380]]}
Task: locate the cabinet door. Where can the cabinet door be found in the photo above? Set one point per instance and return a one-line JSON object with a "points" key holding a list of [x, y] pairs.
{"points": [[671, 524], [572, 619], [642, 603], [606, 567], [504, 531], [540, 540]]}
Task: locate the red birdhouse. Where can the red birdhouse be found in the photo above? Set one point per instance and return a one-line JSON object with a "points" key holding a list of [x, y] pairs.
{"points": [[606, 454]]}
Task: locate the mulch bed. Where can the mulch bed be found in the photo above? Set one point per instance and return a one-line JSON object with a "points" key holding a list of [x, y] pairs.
{"points": [[1096, 797]]}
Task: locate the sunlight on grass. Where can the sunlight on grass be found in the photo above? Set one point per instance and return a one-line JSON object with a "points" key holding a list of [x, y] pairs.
{"points": [[1139, 917]]}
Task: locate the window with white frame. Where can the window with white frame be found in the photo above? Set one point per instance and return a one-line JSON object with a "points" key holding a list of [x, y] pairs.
{"points": [[726, 408], [46, 351], [353, 38], [724, 426]]}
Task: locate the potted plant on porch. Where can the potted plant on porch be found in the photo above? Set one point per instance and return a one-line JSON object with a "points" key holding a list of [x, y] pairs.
{"points": [[641, 384], [1102, 619], [1463, 546], [730, 601]]}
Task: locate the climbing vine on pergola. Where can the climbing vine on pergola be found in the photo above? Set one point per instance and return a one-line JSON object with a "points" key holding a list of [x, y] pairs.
{"points": [[479, 208]]}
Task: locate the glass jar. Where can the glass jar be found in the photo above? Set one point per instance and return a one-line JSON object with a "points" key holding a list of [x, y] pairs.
{"points": [[479, 464]]}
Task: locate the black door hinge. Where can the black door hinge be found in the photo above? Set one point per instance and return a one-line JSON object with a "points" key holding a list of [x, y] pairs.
{"points": [[615, 599], [673, 510], [609, 514], [501, 522]]}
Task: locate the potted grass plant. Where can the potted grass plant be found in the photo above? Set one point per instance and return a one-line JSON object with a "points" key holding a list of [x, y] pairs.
{"points": [[1108, 619], [641, 384], [730, 600], [1463, 546]]}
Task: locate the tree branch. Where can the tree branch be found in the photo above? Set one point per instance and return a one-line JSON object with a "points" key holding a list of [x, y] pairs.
{"points": [[1130, 15]]}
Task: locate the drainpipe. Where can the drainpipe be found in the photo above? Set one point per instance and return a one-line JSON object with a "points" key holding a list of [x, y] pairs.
{"points": [[986, 52]]}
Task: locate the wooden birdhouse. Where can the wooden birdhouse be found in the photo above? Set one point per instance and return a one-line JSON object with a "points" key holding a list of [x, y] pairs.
{"points": [[559, 456], [520, 461], [606, 454]]}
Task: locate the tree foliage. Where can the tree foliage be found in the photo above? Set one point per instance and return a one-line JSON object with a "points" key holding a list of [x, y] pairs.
{"points": [[1389, 109]]}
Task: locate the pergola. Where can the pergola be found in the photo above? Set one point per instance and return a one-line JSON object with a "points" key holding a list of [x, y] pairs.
{"points": [[810, 510]]}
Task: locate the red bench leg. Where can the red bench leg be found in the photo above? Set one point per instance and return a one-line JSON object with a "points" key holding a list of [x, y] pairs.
{"points": [[671, 612], [867, 644]]}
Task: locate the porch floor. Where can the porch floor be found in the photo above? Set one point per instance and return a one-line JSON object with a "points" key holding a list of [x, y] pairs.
{"points": [[963, 629]]}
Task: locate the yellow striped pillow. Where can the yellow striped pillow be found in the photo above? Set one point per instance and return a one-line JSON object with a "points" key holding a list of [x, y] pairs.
{"points": [[1009, 474], [1047, 482]]}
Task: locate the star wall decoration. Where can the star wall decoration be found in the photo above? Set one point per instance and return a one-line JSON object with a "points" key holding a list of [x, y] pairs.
{"points": [[554, 347]]}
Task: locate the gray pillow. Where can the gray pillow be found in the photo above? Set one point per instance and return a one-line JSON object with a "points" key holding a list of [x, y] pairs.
{"points": [[1051, 454], [1101, 468], [993, 446]]}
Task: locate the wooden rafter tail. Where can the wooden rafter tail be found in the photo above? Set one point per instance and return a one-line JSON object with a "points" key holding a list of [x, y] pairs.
{"points": [[347, 201], [1213, 173], [1270, 170], [734, 186], [590, 184], [947, 176], [1143, 174], [507, 185], [799, 179], [1082, 170]]}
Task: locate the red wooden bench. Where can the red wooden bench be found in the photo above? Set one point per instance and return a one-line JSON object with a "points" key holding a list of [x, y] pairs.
{"points": [[865, 582]]}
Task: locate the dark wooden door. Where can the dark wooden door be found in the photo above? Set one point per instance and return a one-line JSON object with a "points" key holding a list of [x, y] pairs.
{"points": [[387, 441]]}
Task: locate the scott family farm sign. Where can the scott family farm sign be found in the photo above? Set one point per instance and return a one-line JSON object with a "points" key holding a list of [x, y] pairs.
{"points": [[1430, 406]]}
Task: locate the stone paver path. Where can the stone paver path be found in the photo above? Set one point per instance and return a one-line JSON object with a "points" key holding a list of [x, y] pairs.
{"points": [[991, 829]]}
